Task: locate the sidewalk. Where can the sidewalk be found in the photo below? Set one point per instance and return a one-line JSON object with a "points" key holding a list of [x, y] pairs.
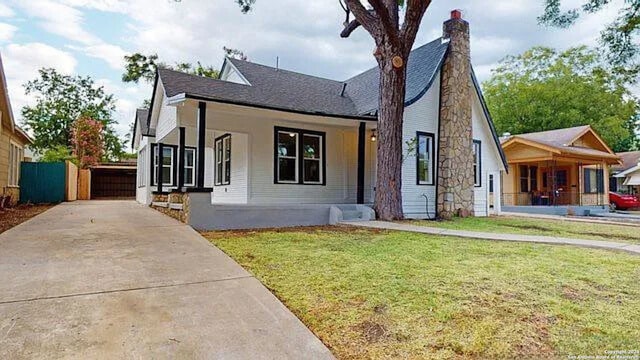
{"points": [[612, 219], [630, 248]]}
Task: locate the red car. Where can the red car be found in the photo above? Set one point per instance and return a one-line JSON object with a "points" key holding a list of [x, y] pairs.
{"points": [[623, 201]]}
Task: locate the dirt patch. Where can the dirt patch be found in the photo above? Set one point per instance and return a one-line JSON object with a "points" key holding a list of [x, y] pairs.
{"points": [[372, 331], [226, 234], [529, 227], [571, 294], [608, 237], [537, 345], [13, 216]]}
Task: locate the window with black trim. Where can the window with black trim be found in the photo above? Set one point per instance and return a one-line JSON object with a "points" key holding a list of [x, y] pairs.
{"points": [[299, 157], [425, 158], [477, 163], [189, 166], [168, 165], [223, 160]]}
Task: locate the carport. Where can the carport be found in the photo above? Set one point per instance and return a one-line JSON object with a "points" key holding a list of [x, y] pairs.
{"points": [[115, 180]]}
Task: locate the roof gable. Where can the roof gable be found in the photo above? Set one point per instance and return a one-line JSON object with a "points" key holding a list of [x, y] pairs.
{"points": [[423, 64], [5, 104]]}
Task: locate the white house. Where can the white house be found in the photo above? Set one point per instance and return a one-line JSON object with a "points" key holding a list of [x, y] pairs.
{"points": [[263, 146]]}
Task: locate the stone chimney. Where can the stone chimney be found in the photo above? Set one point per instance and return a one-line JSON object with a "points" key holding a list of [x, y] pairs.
{"points": [[455, 164]]}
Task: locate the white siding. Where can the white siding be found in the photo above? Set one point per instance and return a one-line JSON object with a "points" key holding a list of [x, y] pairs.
{"points": [[341, 157], [143, 191], [491, 161], [420, 116], [167, 121], [236, 191], [423, 116], [233, 76], [208, 167]]}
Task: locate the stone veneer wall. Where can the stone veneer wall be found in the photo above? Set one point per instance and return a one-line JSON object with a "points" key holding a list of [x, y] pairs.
{"points": [[455, 165], [181, 215]]}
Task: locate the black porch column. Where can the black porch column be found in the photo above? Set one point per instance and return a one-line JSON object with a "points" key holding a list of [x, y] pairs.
{"points": [[202, 130], [361, 159], [160, 161], [181, 159]]}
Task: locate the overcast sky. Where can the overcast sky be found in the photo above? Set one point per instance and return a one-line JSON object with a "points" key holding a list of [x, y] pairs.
{"points": [[90, 37]]}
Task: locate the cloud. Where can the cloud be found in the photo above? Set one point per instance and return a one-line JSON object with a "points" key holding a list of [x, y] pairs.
{"points": [[6, 32], [6, 11], [59, 19], [66, 20], [113, 55], [21, 64]]}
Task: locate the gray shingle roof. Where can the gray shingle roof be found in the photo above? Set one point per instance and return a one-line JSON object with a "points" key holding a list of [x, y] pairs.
{"points": [[557, 137], [288, 90], [629, 160], [141, 117], [424, 62], [270, 88]]}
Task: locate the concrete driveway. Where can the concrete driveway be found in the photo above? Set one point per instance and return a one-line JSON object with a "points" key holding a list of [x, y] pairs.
{"points": [[104, 279]]}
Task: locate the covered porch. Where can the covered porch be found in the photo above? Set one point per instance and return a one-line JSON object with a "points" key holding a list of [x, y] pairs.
{"points": [[556, 183], [240, 162], [558, 176]]}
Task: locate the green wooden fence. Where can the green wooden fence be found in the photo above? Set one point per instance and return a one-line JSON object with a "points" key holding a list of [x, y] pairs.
{"points": [[42, 182]]}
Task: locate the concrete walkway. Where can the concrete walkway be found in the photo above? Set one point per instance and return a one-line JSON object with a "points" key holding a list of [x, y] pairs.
{"points": [[116, 280], [630, 248], [611, 219]]}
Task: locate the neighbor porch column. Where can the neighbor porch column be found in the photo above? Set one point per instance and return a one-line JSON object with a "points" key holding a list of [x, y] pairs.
{"points": [[181, 159], [202, 131], [160, 161], [362, 134]]}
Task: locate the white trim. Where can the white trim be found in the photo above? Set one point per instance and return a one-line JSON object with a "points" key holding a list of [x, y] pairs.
{"points": [[627, 172], [176, 99], [156, 157], [429, 158], [16, 156], [223, 159], [296, 158], [228, 62], [191, 168], [318, 159]]}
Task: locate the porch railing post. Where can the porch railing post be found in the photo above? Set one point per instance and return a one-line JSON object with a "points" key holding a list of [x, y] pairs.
{"points": [[181, 159], [361, 159], [160, 163], [202, 130]]}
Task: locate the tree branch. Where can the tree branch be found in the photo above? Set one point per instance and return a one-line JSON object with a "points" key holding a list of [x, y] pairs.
{"points": [[415, 11], [388, 19], [369, 21]]}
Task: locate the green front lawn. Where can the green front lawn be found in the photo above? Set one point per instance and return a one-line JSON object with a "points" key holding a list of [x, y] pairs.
{"points": [[379, 294], [531, 226]]}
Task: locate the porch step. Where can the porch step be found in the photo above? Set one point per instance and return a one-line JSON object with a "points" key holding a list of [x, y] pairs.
{"points": [[351, 215], [340, 213]]}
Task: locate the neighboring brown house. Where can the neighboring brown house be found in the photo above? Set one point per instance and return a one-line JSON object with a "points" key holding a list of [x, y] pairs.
{"points": [[13, 141], [559, 169]]}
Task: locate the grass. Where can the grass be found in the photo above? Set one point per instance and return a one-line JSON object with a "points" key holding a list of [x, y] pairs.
{"points": [[378, 294], [547, 227]]}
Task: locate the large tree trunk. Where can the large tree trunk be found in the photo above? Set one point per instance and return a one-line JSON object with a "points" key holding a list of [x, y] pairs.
{"points": [[388, 201]]}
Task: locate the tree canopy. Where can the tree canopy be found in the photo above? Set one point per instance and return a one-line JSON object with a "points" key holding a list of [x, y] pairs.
{"points": [[620, 37], [60, 101], [139, 66], [543, 89]]}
